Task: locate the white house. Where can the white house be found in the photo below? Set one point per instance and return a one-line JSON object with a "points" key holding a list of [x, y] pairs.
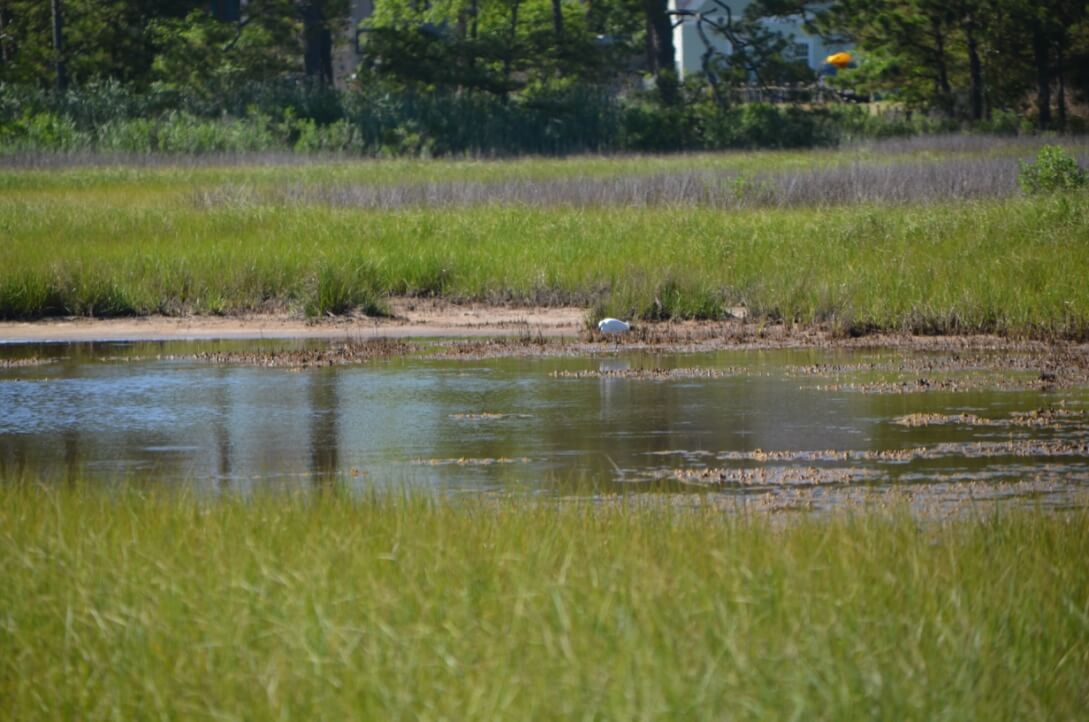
{"points": [[346, 54], [689, 47]]}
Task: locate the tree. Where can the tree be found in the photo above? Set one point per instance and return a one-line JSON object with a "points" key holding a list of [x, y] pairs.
{"points": [[99, 39], [319, 17], [1053, 25], [756, 53], [908, 42], [213, 53], [965, 57], [659, 48], [58, 45], [494, 46]]}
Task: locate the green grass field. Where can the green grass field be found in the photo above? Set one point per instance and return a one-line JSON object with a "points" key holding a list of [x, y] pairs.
{"points": [[142, 605], [121, 241]]}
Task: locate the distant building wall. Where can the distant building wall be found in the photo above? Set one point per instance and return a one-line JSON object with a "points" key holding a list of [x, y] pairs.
{"points": [[346, 54], [689, 47]]}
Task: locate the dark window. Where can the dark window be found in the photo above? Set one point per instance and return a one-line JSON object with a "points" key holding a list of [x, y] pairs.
{"points": [[227, 10]]}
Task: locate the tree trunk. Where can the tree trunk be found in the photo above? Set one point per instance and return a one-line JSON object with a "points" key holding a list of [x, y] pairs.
{"points": [[660, 54], [1060, 71], [1043, 76], [474, 11], [557, 21], [5, 20], [318, 44], [975, 71], [508, 55], [945, 91], [58, 46]]}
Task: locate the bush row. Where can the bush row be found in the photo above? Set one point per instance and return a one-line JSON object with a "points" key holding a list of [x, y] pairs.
{"points": [[383, 121]]}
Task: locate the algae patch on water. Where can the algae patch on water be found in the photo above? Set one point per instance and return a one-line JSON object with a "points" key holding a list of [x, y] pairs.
{"points": [[336, 354]]}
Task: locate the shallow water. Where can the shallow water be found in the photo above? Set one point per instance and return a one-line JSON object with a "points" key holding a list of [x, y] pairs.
{"points": [[773, 427]]}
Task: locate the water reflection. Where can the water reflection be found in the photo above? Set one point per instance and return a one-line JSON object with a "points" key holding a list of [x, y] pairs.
{"points": [[324, 435], [138, 411], [221, 431]]}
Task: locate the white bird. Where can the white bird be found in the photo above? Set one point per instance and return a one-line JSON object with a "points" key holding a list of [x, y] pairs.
{"points": [[612, 326]]}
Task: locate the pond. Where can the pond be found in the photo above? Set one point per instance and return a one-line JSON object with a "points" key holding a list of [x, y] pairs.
{"points": [[781, 428]]}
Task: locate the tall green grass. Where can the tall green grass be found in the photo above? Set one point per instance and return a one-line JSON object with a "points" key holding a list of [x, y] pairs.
{"points": [[1016, 266], [134, 605], [117, 178]]}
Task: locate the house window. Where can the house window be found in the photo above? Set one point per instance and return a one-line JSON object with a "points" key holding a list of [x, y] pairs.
{"points": [[797, 52], [227, 10]]}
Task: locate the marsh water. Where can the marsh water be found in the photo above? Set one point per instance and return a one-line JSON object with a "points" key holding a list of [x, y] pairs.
{"points": [[783, 427]]}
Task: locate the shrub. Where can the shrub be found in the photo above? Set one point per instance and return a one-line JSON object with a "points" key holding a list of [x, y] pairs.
{"points": [[45, 131], [1053, 170], [649, 127]]}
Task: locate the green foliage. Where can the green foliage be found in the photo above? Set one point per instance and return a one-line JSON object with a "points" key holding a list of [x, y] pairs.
{"points": [[336, 137], [184, 133], [965, 59], [340, 290], [354, 604], [493, 46], [547, 117], [44, 131], [498, 77], [647, 126], [209, 59], [103, 39], [142, 240], [502, 78], [1053, 170], [756, 51]]}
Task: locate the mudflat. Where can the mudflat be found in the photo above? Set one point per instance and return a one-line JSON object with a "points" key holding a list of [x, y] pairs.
{"points": [[411, 318], [437, 318]]}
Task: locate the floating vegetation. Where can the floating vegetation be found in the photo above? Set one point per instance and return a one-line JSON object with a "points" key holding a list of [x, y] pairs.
{"points": [[653, 374], [944, 419], [526, 344], [1017, 369], [971, 449], [776, 476], [469, 461], [29, 362], [337, 354], [1039, 418], [734, 332], [488, 416], [1045, 417], [988, 382]]}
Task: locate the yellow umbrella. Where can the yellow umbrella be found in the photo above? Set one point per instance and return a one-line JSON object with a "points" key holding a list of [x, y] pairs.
{"points": [[840, 60]]}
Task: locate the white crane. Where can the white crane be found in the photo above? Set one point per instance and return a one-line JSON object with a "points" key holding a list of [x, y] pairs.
{"points": [[613, 327]]}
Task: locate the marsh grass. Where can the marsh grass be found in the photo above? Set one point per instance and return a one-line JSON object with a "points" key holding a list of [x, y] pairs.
{"points": [[1016, 266], [918, 182], [139, 604], [80, 169], [867, 240]]}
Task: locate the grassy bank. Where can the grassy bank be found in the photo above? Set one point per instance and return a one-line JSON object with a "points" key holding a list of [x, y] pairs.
{"points": [[133, 605], [794, 244]]}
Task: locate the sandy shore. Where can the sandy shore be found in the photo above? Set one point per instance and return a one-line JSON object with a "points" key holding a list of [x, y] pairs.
{"points": [[415, 318], [412, 319]]}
